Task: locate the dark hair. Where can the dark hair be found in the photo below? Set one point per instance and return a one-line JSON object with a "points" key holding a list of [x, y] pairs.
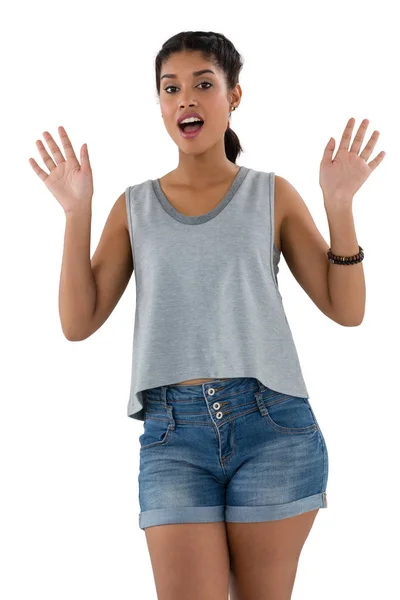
{"points": [[216, 48]]}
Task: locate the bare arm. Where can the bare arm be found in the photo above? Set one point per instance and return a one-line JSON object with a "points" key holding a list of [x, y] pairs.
{"points": [[90, 289], [77, 291]]}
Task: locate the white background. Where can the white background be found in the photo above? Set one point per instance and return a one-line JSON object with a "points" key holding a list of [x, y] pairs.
{"points": [[69, 452]]}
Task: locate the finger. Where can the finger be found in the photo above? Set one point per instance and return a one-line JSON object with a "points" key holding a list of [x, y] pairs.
{"points": [[358, 140], [42, 174], [85, 158], [53, 147], [328, 152], [346, 137], [48, 161], [377, 160], [69, 151], [366, 153]]}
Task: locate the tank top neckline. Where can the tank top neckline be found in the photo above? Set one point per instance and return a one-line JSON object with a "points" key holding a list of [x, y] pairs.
{"points": [[198, 219]]}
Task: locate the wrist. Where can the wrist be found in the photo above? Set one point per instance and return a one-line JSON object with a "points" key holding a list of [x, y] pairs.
{"points": [[338, 203], [339, 213], [79, 212]]}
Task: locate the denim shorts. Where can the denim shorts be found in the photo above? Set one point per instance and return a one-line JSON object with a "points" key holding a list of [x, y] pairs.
{"points": [[229, 450]]}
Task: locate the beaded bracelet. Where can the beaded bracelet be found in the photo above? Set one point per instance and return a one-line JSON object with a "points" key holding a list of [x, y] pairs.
{"points": [[346, 260]]}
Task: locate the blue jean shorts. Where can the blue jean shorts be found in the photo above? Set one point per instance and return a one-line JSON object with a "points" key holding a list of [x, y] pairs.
{"points": [[229, 450]]}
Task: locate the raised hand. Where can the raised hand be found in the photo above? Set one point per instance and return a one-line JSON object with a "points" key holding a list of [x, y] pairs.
{"points": [[70, 183], [341, 177]]}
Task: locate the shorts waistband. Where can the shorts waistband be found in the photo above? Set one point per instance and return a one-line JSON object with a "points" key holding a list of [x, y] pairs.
{"points": [[212, 388]]}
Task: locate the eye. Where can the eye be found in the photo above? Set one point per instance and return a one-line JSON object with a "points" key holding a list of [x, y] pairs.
{"points": [[201, 83]]}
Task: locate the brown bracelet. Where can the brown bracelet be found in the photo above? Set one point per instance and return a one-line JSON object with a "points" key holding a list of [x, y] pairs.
{"points": [[346, 260]]}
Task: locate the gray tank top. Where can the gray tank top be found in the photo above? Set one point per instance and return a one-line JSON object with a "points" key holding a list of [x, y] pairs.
{"points": [[207, 298]]}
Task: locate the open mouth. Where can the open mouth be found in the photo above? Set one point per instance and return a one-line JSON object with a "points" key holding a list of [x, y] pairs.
{"points": [[191, 127]]}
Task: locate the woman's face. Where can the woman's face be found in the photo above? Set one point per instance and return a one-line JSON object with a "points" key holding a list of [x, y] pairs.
{"points": [[204, 93]]}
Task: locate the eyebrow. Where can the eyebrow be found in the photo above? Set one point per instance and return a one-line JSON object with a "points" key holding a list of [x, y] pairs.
{"points": [[195, 74]]}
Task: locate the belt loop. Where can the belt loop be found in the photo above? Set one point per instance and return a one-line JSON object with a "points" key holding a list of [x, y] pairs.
{"points": [[167, 407], [258, 396], [261, 386]]}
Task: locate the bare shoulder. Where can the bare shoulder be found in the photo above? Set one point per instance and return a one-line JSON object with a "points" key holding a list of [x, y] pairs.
{"points": [[288, 203], [120, 208], [294, 217], [281, 187], [280, 207]]}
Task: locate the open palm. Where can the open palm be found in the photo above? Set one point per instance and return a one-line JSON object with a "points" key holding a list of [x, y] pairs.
{"points": [[70, 183], [342, 176]]}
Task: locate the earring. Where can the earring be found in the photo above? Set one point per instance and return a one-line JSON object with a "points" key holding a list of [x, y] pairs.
{"points": [[232, 109]]}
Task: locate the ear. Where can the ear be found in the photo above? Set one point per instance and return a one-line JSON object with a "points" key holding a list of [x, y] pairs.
{"points": [[235, 95]]}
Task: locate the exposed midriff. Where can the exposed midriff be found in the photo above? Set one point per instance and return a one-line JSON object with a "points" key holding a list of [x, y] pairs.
{"points": [[196, 381]]}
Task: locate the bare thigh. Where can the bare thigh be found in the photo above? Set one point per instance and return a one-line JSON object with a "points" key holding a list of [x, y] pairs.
{"points": [[190, 561], [264, 556]]}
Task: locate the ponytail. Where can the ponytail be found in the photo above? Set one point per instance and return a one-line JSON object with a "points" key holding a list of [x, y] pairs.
{"points": [[232, 145]]}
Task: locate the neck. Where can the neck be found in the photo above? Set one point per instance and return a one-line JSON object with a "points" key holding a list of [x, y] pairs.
{"points": [[201, 170]]}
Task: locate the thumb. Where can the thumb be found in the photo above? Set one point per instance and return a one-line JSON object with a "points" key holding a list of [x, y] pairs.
{"points": [[328, 152], [85, 158]]}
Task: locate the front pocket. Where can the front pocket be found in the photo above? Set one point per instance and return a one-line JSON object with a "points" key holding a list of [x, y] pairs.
{"points": [[155, 432], [286, 413]]}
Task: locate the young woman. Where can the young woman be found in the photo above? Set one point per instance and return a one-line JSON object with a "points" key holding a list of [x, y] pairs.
{"points": [[233, 463]]}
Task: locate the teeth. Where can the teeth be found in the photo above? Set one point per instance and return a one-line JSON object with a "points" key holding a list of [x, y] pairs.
{"points": [[190, 120]]}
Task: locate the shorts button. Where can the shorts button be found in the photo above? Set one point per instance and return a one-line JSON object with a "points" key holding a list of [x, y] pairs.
{"points": [[211, 391], [219, 415], [216, 405]]}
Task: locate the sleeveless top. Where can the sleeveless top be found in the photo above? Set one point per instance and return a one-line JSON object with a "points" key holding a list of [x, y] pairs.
{"points": [[207, 298]]}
